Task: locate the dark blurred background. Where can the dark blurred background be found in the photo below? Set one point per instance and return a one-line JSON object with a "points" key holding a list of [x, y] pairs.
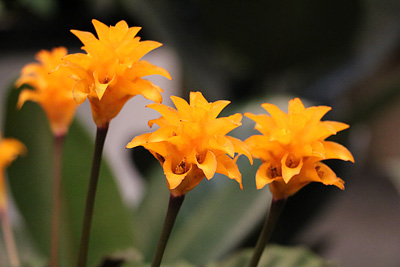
{"points": [[343, 53]]}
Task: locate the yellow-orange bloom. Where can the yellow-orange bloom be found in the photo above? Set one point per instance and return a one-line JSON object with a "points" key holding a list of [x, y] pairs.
{"points": [[111, 72], [292, 146], [191, 142], [10, 148], [52, 88]]}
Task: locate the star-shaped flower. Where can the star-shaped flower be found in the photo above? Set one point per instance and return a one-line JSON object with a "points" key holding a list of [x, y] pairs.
{"points": [[111, 72], [191, 142], [292, 145]]}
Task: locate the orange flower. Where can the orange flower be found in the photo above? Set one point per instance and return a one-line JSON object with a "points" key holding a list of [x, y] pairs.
{"points": [[52, 88], [191, 142], [292, 147], [10, 148], [111, 72]]}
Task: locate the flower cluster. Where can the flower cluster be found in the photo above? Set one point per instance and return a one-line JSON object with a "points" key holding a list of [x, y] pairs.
{"points": [[52, 88], [191, 142], [10, 148], [111, 72], [292, 146]]}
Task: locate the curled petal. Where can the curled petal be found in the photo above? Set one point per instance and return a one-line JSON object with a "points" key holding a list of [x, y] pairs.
{"points": [[262, 178], [289, 171], [173, 179], [80, 92], [208, 165], [327, 176]]}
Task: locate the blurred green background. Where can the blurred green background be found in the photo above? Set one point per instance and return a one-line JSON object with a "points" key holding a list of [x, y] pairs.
{"points": [[345, 54]]}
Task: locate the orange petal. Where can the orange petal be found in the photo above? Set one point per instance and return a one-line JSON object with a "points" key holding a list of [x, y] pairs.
{"points": [[261, 176], [328, 177], [144, 68], [80, 92], [102, 30], [216, 108], [337, 151], [241, 148], [139, 140], [182, 106], [264, 123], [173, 179], [287, 172], [143, 48], [228, 167], [26, 95], [170, 114], [197, 99], [209, 165], [280, 117], [295, 106]]}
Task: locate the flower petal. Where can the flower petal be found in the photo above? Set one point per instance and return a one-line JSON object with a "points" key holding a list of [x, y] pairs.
{"points": [[173, 179], [287, 171], [280, 117], [228, 167], [139, 140], [262, 178], [144, 68], [337, 151], [208, 165], [26, 95]]}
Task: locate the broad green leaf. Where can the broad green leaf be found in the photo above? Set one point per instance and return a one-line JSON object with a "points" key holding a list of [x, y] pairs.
{"points": [[31, 181], [276, 256]]}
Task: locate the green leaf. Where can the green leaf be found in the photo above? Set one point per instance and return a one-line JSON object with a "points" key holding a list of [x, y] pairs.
{"points": [[31, 181], [276, 256]]}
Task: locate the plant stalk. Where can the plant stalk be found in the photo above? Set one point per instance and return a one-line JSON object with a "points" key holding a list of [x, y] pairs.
{"points": [[55, 219], [269, 224], [11, 248], [175, 203], [101, 134]]}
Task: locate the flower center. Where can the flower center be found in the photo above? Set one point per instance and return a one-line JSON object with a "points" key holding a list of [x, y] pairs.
{"points": [[319, 171], [291, 162], [274, 171], [182, 167]]}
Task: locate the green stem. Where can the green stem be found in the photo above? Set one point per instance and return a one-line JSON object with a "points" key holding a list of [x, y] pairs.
{"points": [[11, 248], [269, 224], [175, 203], [94, 176], [55, 220]]}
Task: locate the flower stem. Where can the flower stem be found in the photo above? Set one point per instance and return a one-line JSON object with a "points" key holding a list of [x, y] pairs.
{"points": [[269, 224], [175, 203], [55, 219], [11, 248], [101, 134]]}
